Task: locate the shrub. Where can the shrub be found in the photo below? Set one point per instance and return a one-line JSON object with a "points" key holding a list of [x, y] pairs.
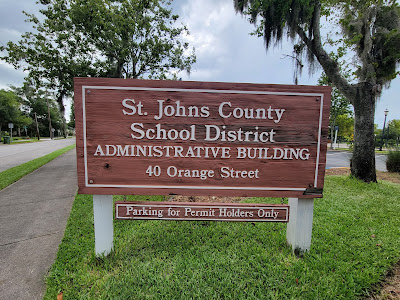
{"points": [[393, 161]]}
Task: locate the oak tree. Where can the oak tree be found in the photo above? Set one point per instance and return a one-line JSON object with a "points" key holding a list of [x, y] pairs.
{"points": [[369, 31]]}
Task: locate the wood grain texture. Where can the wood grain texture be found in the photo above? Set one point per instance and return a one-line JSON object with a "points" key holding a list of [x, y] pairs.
{"points": [[266, 165]]}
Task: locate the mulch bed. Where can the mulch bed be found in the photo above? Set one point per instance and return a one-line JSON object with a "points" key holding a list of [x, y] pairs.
{"points": [[390, 288], [392, 177]]}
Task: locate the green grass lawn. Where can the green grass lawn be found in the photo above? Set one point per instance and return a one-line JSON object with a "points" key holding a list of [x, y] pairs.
{"points": [[11, 175], [19, 140], [22, 141], [356, 241]]}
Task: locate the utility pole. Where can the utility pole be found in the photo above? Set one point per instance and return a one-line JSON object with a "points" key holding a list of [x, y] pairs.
{"points": [[37, 127], [48, 115]]}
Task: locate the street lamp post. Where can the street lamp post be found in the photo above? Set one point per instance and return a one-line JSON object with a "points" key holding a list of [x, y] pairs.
{"points": [[383, 130]]}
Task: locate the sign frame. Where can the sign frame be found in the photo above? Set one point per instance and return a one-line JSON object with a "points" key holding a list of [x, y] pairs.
{"points": [[84, 86]]}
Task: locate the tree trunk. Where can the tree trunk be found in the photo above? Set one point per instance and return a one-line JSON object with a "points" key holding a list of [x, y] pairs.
{"points": [[363, 161]]}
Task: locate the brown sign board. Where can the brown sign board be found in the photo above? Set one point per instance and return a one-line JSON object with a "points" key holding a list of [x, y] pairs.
{"points": [[200, 138], [188, 211]]}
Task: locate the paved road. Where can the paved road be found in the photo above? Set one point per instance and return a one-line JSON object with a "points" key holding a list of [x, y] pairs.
{"points": [[16, 154], [33, 216], [337, 159]]}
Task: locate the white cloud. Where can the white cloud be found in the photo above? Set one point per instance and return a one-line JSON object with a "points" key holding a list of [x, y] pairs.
{"points": [[207, 20], [8, 34], [10, 76], [225, 49], [6, 65], [206, 74]]}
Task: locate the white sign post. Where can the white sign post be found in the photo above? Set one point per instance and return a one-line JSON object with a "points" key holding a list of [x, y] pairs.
{"points": [[103, 224], [299, 228]]}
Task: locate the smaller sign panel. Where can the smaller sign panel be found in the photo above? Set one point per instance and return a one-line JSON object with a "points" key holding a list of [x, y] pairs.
{"points": [[10, 125], [188, 211]]}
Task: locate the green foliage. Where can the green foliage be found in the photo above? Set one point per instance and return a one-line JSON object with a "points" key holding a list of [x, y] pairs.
{"points": [[346, 127], [50, 61], [40, 103], [14, 174], [394, 129], [355, 242], [391, 136], [135, 38], [10, 111], [71, 123], [372, 30], [393, 161]]}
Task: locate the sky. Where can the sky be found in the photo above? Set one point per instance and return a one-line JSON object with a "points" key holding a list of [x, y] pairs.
{"points": [[225, 50]]}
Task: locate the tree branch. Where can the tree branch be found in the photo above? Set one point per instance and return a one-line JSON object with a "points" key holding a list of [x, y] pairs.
{"points": [[298, 61], [329, 66]]}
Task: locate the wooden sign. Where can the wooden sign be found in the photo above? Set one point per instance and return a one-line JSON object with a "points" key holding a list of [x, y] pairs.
{"points": [[200, 138], [182, 211]]}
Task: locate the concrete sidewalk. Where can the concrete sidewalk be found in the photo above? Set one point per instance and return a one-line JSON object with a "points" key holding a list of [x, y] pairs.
{"points": [[33, 216]]}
